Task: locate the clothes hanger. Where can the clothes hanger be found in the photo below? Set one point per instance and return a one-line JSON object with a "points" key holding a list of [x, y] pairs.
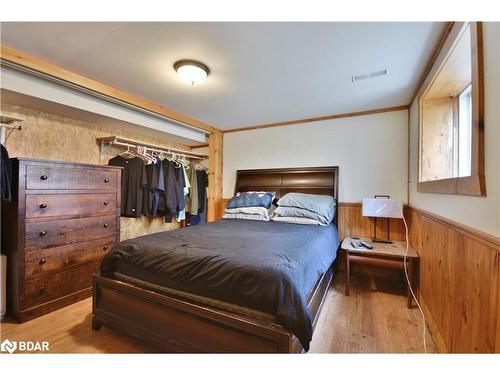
{"points": [[147, 157], [125, 153], [176, 161]]}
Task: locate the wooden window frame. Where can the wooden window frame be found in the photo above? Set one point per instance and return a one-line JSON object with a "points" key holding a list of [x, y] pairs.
{"points": [[475, 184]]}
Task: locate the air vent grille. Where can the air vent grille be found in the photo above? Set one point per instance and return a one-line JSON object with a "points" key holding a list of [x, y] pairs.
{"points": [[361, 77]]}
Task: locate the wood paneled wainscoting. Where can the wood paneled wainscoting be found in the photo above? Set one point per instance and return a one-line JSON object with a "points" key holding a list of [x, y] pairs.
{"points": [[459, 283]]}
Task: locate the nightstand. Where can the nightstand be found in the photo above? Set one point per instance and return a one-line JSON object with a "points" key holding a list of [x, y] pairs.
{"points": [[383, 254]]}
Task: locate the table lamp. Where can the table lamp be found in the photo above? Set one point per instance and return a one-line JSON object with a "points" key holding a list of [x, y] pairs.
{"points": [[382, 206]]}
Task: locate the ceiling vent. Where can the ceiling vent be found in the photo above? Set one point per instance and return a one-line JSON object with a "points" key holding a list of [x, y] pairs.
{"points": [[361, 77]]}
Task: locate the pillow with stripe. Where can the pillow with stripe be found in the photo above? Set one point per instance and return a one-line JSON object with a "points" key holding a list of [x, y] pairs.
{"points": [[251, 199]]}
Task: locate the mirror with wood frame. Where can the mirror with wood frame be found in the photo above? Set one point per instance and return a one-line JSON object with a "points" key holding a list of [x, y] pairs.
{"points": [[451, 124]]}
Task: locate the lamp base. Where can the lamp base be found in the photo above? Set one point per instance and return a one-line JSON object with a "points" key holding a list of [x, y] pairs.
{"points": [[380, 240]]}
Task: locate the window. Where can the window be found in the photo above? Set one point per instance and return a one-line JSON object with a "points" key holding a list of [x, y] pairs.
{"points": [[464, 134], [451, 155]]}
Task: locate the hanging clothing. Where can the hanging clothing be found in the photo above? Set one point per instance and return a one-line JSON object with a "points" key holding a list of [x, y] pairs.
{"points": [[193, 220], [182, 214], [162, 204], [170, 194], [133, 184], [151, 196], [199, 182], [187, 185], [160, 188], [179, 188], [202, 182], [6, 175], [193, 194]]}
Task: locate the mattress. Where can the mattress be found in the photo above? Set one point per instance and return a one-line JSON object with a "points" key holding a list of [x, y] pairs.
{"points": [[264, 267]]}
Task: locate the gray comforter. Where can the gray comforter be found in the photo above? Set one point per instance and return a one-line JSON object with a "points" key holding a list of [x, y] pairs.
{"points": [[268, 266]]}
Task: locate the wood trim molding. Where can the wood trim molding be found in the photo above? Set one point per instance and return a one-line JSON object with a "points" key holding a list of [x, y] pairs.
{"points": [[474, 234], [316, 119], [203, 145], [215, 159], [34, 63], [431, 62], [471, 185]]}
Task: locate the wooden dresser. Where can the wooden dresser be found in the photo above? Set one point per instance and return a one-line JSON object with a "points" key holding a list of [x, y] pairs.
{"points": [[62, 220]]}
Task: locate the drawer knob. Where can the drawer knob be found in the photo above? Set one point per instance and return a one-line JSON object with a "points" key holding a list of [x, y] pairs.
{"points": [[44, 177], [106, 180], [106, 203], [43, 289], [42, 233], [105, 225], [43, 261], [43, 205], [105, 247]]}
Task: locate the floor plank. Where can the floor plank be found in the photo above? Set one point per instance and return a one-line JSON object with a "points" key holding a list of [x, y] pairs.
{"points": [[373, 319]]}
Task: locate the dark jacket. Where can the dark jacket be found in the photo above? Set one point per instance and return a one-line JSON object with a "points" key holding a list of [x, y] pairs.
{"points": [[6, 175]]}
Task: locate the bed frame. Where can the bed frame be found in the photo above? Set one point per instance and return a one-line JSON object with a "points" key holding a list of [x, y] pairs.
{"points": [[173, 324]]}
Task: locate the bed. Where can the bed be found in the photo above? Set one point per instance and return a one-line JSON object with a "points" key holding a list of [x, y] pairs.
{"points": [[232, 286]]}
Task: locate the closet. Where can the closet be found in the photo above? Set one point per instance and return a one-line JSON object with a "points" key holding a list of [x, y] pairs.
{"points": [[159, 181]]}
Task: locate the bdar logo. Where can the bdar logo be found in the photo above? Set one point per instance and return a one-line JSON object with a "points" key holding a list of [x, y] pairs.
{"points": [[24, 346], [8, 346]]}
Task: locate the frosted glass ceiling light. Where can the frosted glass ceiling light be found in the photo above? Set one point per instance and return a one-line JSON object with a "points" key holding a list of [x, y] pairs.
{"points": [[192, 72]]}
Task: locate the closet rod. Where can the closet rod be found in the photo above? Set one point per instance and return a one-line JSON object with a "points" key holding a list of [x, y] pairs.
{"points": [[124, 142], [8, 122], [10, 126]]}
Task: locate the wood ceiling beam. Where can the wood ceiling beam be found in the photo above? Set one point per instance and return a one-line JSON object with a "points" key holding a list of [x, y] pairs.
{"points": [[322, 118], [34, 63]]}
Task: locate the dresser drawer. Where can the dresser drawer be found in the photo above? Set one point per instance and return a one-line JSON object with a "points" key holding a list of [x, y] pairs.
{"points": [[49, 234], [37, 291], [67, 282], [69, 205], [66, 178], [58, 258], [43, 289]]}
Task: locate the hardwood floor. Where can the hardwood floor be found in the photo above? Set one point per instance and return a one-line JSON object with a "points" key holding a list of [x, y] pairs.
{"points": [[373, 319]]}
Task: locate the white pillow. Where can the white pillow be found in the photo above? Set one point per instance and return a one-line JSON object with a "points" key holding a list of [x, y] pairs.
{"points": [[246, 217], [297, 220]]}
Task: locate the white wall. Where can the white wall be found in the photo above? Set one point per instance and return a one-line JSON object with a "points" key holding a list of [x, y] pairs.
{"points": [[371, 152], [478, 212]]}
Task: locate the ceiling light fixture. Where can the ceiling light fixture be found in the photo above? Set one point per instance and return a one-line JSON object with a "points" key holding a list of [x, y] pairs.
{"points": [[192, 72]]}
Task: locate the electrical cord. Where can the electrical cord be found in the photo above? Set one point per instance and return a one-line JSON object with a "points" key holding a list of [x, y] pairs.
{"points": [[424, 329]]}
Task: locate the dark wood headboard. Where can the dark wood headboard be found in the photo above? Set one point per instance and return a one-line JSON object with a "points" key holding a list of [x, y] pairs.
{"points": [[310, 180]]}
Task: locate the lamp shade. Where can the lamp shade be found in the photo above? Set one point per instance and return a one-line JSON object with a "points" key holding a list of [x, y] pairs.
{"points": [[382, 207]]}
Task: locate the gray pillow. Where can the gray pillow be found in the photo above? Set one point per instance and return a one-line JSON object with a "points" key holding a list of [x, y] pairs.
{"points": [[323, 205], [300, 212], [262, 211]]}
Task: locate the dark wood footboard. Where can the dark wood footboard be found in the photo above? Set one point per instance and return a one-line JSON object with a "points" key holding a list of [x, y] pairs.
{"points": [[175, 325]]}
